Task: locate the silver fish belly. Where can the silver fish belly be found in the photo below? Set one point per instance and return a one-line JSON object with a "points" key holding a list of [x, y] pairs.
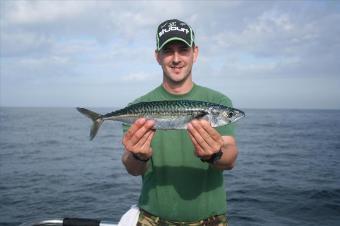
{"points": [[168, 114]]}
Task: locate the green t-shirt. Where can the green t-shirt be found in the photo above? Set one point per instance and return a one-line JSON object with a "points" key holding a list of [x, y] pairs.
{"points": [[177, 185]]}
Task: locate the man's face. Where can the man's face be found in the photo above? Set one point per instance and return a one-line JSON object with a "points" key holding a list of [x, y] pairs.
{"points": [[176, 59]]}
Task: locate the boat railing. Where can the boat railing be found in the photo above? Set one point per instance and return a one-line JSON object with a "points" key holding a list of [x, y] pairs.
{"points": [[71, 222]]}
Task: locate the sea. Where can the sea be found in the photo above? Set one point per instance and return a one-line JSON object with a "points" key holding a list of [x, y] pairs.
{"points": [[287, 172]]}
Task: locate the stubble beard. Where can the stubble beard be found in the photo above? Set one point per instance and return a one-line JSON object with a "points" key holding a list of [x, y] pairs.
{"points": [[176, 83]]}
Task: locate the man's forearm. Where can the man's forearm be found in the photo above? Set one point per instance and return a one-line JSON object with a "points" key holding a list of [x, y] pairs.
{"points": [[134, 166], [229, 156]]}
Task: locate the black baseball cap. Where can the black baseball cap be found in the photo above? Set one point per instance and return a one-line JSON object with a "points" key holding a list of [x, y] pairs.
{"points": [[174, 29]]}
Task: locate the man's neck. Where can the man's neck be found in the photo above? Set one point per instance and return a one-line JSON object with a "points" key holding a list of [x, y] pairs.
{"points": [[178, 88]]}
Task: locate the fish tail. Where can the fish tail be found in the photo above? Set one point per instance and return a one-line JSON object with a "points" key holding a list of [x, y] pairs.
{"points": [[96, 118]]}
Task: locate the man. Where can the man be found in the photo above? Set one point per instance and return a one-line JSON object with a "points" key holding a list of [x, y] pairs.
{"points": [[182, 170]]}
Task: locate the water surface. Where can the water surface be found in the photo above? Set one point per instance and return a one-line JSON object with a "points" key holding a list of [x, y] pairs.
{"points": [[287, 171]]}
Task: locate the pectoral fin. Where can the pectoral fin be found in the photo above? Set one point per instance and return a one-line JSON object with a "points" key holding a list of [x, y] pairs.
{"points": [[200, 114]]}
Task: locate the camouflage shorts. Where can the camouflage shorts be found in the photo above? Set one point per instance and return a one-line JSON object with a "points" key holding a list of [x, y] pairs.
{"points": [[146, 219]]}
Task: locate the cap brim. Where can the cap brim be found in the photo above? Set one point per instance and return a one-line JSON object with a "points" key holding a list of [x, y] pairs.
{"points": [[174, 39]]}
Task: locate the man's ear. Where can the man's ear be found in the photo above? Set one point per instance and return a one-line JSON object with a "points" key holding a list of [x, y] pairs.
{"points": [[196, 51], [157, 56]]}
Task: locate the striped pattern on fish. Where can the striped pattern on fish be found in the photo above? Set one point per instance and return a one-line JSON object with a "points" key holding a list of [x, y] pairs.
{"points": [[171, 114]]}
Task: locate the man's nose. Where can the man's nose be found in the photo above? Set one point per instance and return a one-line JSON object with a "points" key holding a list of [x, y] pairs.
{"points": [[176, 58]]}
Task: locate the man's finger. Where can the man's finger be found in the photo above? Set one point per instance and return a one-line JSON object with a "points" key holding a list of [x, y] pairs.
{"points": [[147, 143], [215, 139], [147, 126], [211, 131], [200, 152], [134, 127], [198, 139], [201, 135], [141, 143]]}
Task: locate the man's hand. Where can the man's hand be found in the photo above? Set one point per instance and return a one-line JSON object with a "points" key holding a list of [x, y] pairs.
{"points": [[206, 139], [137, 139]]}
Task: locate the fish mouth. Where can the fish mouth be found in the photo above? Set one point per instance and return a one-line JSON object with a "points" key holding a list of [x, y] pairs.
{"points": [[236, 115], [240, 114]]}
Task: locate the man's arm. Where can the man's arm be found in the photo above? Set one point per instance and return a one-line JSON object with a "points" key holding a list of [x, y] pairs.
{"points": [[137, 141], [230, 152], [208, 141]]}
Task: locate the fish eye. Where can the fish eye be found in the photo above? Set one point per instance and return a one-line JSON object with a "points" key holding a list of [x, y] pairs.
{"points": [[231, 114]]}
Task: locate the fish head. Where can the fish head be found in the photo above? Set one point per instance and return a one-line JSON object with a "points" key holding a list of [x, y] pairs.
{"points": [[225, 115]]}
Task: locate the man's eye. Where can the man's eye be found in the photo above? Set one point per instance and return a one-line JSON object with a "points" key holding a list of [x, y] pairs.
{"points": [[184, 49], [165, 51]]}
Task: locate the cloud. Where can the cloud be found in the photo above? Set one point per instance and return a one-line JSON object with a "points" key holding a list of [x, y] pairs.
{"points": [[139, 77], [32, 13], [103, 44], [279, 43], [24, 44]]}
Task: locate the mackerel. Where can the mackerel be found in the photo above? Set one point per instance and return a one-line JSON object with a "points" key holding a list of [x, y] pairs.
{"points": [[171, 114]]}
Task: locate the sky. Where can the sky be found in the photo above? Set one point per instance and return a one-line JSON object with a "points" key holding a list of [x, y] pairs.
{"points": [[261, 54]]}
